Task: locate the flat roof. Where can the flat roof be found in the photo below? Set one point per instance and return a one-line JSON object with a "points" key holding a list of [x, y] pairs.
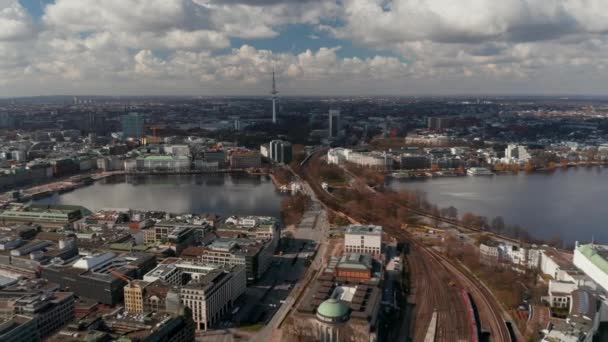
{"points": [[363, 229]]}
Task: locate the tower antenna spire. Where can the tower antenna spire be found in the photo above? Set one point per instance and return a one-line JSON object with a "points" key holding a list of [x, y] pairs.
{"points": [[274, 93]]}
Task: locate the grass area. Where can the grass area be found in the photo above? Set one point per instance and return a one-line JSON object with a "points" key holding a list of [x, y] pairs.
{"points": [[253, 327]]}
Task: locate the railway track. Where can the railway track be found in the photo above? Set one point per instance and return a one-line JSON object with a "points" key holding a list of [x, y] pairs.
{"points": [[432, 293], [488, 308]]}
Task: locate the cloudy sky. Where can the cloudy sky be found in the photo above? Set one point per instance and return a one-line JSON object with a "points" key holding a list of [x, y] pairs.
{"points": [[318, 47]]}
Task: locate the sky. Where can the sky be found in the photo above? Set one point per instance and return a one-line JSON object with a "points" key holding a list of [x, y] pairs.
{"points": [[316, 47]]}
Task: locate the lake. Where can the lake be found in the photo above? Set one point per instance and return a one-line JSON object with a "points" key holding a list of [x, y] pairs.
{"points": [[224, 194], [569, 202]]}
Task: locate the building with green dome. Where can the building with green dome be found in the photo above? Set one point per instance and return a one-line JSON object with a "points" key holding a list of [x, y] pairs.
{"points": [[333, 311], [331, 315]]}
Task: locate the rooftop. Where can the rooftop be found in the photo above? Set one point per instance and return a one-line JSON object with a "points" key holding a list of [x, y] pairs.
{"points": [[333, 308], [597, 254], [360, 229]]}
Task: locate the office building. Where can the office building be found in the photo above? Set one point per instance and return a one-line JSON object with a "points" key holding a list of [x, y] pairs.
{"points": [[132, 126], [334, 123], [245, 159], [168, 273], [213, 295], [100, 276], [256, 256], [19, 328], [280, 151], [365, 239], [125, 326], [38, 300], [145, 296]]}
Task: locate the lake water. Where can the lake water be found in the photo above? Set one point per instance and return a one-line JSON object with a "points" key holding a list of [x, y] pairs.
{"points": [[571, 202], [224, 194]]}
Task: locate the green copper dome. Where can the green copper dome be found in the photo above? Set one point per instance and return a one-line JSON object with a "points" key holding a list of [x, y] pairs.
{"points": [[333, 309]]}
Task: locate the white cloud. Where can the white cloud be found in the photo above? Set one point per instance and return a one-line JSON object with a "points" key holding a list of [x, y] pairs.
{"points": [[15, 22], [172, 46]]}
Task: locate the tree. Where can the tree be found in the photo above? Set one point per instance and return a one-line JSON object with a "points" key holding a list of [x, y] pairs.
{"points": [[449, 212], [436, 216], [498, 224], [468, 219]]}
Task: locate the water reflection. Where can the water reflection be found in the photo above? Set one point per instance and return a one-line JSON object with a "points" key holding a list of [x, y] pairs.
{"points": [[224, 194], [568, 202]]}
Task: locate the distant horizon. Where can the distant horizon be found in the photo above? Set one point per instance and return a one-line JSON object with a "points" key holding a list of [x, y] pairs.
{"points": [[236, 96]]}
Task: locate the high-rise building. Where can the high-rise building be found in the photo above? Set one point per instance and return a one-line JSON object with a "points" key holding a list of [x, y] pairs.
{"points": [[439, 123], [280, 151], [132, 126], [518, 152], [334, 123]]}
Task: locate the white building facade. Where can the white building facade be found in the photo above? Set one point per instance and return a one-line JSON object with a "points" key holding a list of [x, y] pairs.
{"points": [[592, 260], [365, 239], [212, 296]]}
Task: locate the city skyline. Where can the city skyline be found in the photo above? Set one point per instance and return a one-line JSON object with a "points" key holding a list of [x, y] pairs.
{"points": [[352, 47]]}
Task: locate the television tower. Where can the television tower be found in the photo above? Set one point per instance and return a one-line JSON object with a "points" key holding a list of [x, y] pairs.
{"points": [[274, 93]]}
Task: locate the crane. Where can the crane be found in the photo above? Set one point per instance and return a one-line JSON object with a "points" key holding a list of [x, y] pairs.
{"points": [[120, 275]]}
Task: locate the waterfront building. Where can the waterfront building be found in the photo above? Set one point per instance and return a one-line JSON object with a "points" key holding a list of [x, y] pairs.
{"points": [[265, 150], [245, 160], [216, 155], [212, 296], [365, 239], [489, 252], [479, 171], [47, 216], [493, 251], [132, 125], [517, 153], [375, 160], [162, 163], [414, 161], [280, 151]]}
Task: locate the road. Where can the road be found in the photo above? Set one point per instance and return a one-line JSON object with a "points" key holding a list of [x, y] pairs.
{"points": [[313, 227]]}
